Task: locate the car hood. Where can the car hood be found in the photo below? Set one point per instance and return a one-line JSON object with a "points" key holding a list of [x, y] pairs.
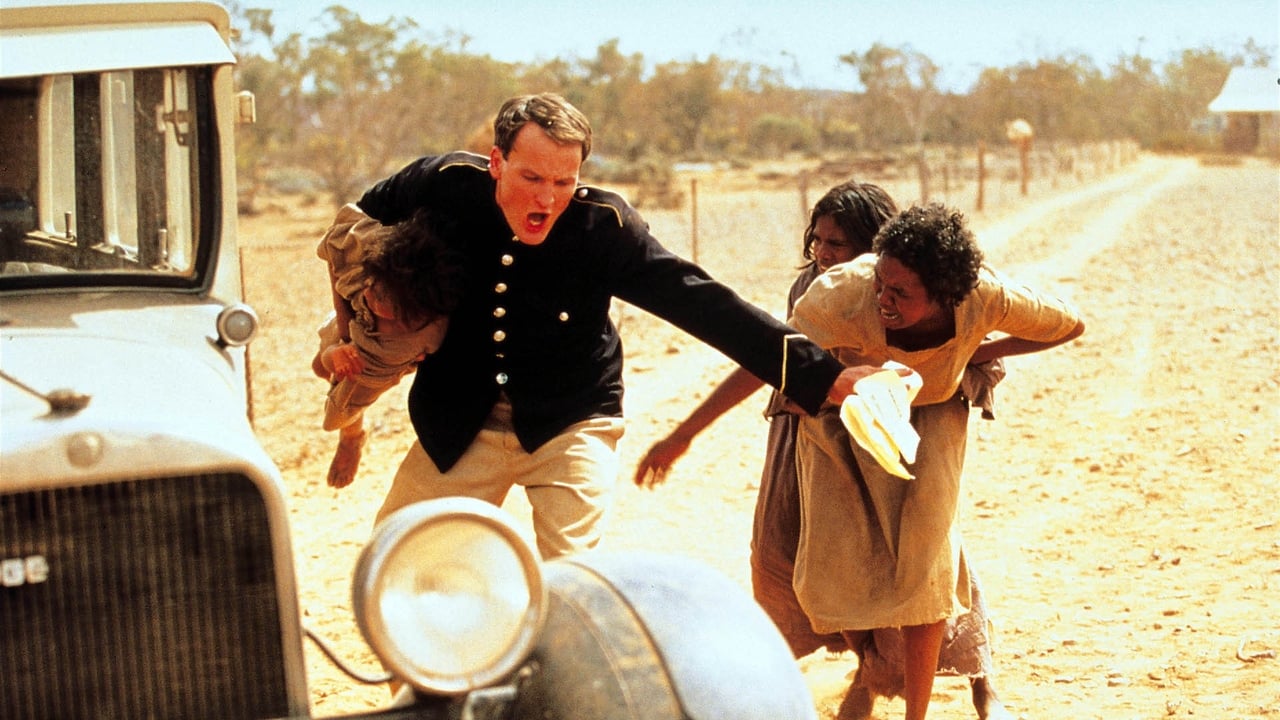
{"points": [[149, 371]]}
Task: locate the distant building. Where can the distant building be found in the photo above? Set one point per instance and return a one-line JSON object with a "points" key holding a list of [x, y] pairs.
{"points": [[1250, 99]]}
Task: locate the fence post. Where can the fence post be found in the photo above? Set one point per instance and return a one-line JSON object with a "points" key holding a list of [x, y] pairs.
{"points": [[804, 194], [982, 172], [1024, 161], [922, 169], [693, 222]]}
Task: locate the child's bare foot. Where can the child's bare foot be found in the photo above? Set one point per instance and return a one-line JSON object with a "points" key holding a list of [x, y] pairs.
{"points": [[857, 704], [986, 702], [346, 459]]}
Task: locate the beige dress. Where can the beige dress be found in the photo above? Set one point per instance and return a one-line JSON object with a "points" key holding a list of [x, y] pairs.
{"points": [[387, 356], [876, 550]]}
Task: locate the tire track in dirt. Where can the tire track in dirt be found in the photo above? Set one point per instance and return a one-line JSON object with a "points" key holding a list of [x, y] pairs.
{"points": [[995, 235], [1099, 219], [1134, 552]]}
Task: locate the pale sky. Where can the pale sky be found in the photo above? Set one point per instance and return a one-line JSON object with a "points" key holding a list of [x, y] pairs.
{"points": [[806, 38]]}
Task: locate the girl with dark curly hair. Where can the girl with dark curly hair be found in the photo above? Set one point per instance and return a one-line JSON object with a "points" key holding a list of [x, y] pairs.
{"points": [[842, 225], [877, 550]]}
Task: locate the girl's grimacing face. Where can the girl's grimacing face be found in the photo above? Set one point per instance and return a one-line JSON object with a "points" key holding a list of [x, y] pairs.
{"points": [[830, 245], [902, 298]]}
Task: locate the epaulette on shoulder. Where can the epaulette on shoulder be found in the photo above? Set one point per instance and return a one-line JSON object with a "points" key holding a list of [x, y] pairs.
{"points": [[592, 195], [464, 159]]}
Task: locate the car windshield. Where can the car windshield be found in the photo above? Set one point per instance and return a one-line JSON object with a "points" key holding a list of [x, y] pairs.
{"points": [[101, 177]]}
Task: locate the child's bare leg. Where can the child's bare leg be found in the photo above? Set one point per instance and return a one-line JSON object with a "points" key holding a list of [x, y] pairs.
{"points": [[346, 459], [921, 644]]}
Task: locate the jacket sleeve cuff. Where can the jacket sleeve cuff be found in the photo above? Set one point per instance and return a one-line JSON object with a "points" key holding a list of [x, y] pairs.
{"points": [[807, 372]]}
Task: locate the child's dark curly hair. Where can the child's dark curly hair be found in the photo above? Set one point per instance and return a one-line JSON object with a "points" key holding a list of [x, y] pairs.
{"points": [[417, 271], [936, 244]]}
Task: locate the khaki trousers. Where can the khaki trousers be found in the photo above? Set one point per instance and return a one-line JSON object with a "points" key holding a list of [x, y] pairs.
{"points": [[569, 481]]}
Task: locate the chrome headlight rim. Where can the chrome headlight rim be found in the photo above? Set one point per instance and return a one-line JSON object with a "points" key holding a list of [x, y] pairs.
{"points": [[372, 574], [237, 325]]}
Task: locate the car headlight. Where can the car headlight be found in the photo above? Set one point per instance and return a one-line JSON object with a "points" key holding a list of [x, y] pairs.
{"points": [[449, 595], [237, 325]]}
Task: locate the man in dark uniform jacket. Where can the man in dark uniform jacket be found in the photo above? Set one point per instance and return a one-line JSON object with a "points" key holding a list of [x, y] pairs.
{"points": [[527, 386]]}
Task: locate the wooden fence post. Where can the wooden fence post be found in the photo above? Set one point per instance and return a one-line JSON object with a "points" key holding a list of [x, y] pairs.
{"points": [[1024, 158], [804, 195], [922, 169], [693, 222], [982, 172]]}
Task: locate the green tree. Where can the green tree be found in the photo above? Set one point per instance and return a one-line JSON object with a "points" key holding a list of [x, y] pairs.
{"points": [[755, 99], [609, 88], [992, 102], [908, 80], [687, 95], [1190, 83], [354, 122], [1253, 54], [1134, 102], [445, 94], [257, 143], [773, 135], [360, 99], [1058, 98]]}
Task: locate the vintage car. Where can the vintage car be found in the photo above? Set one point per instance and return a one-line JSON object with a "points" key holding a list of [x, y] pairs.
{"points": [[145, 561]]}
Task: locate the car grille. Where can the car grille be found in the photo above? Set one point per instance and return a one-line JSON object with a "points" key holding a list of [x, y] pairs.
{"points": [[159, 602]]}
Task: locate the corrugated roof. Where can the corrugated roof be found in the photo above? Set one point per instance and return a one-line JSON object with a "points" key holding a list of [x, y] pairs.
{"points": [[1249, 90]]}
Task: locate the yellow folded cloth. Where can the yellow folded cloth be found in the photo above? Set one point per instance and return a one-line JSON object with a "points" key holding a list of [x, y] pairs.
{"points": [[878, 416]]}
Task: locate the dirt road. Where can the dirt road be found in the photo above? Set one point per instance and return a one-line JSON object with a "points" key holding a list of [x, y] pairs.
{"points": [[1121, 508]]}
